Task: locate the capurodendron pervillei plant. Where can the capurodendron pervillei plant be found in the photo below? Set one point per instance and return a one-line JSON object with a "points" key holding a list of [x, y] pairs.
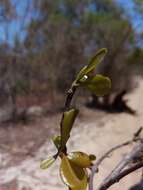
{"points": [[74, 165]]}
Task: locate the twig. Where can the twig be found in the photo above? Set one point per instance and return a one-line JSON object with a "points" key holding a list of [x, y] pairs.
{"points": [[121, 175], [94, 168], [117, 171], [126, 160], [136, 134]]}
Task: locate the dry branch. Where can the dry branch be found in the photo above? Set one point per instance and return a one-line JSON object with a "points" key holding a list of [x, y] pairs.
{"points": [[118, 173]]}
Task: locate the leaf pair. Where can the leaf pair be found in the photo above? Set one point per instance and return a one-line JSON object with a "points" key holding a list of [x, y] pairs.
{"points": [[98, 84], [73, 169], [73, 165]]}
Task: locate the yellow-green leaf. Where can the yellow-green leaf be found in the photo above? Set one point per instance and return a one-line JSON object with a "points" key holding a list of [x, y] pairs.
{"points": [[47, 163], [99, 84], [72, 175], [83, 185], [80, 158], [99, 56], [57, 141], [81, 73], [66, 125]]}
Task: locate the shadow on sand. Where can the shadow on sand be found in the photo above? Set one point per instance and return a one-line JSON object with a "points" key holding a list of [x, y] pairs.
{"points": [[118, 104]]}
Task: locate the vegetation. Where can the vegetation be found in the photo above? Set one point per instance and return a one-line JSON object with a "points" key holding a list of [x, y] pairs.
{"points": [[52, 41], [65, 34], [73, 166]]}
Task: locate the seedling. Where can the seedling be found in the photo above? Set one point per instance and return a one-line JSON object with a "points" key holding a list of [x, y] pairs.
{"points": [[74, 165]]}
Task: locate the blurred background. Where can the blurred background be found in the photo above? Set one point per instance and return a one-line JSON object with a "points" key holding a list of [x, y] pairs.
{"points": [[43, 45]]}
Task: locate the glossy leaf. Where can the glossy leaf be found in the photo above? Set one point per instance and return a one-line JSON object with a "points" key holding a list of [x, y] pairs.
{"points": [[57, 141], [83, 185], [72, 175], [99, 56], [81, 73], [66, 125], [47, 163], [98, 84], [80, 158]]}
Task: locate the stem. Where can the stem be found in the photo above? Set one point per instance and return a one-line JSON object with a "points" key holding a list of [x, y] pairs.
{"points": [[69, 97], [68, 101]]}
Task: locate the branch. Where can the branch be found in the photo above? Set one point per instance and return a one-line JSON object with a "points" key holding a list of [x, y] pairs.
{"points": [[121, 175], [94, 168], [118, 172]]}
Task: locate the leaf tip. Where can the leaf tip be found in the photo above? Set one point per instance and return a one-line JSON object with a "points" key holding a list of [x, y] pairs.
{"points": [[47, 163], [102, 51]]}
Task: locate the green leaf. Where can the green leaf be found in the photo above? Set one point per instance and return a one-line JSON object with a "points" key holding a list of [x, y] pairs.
{"points": [[81, 73], [99, 56], [57, 141], [83, 185], [72, 175], [98, 84], [66, 125], [47, 163], [80, 158]]}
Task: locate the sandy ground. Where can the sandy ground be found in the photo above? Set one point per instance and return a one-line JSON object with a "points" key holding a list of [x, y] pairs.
{"points": [[94, 133]]}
